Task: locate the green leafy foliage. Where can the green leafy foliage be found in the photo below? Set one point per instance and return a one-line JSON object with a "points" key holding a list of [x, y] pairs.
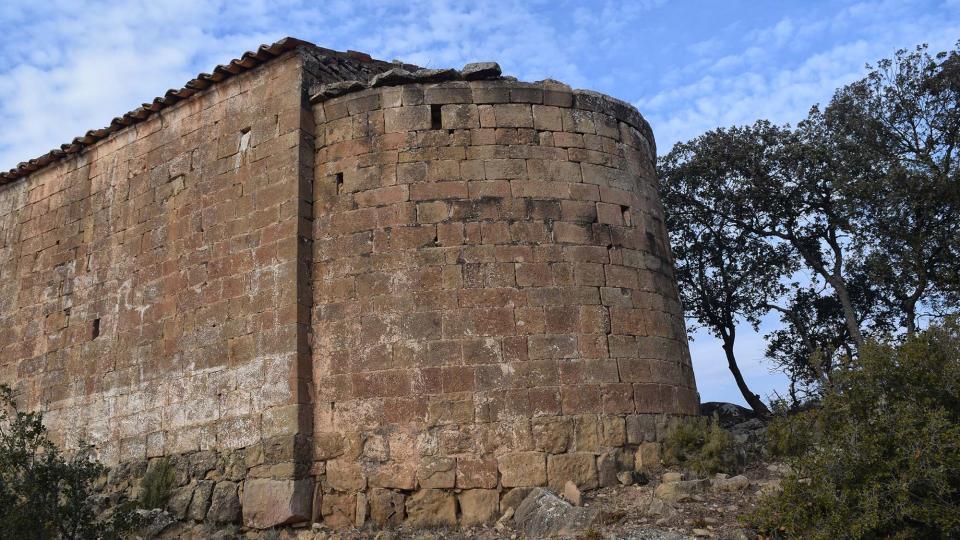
{"points": [[700, 445], [885, 459], [790, 433], [157, 484], [45, 495], [847, 224]]}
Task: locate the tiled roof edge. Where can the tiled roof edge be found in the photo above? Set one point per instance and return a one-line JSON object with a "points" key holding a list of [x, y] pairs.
{"points": [[247, 61]]}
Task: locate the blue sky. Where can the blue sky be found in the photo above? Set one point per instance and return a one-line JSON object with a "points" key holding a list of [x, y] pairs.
{"points": [[689, 66]]}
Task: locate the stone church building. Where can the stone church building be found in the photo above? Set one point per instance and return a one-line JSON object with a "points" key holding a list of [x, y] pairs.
{"points": [[334, 289]]}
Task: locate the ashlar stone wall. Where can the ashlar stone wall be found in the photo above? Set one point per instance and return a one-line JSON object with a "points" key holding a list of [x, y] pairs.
{"points": [[407, 299], [148, 286], [494, 299]]}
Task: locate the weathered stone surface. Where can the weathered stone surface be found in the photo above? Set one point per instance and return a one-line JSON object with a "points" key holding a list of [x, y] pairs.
{"points": [[478, 506], [523, 469], [684, 490], [201, 500], [201, 463], [572, 494], [345, 475], [609, 464], [431, 508], [476, 473], [485, 281], [512, 499], [542, 514], [648, 456], [224, 504], [671, 476], [338, 509], [179, 501], [360, 516], [552, 434], [579, 468], [156, 522], [480, 70], [661, 508], [736, 483], [393, 475], [386, 507], [435, 75], [391, 77], [335, 89], [437, 472], [268, 503], [770, 487]]}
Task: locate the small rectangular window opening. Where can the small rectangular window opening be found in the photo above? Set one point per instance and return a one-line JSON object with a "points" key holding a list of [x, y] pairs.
{"points": [[435, 118], [244, 140], [95, 331], [626, 215], [339, 179]]}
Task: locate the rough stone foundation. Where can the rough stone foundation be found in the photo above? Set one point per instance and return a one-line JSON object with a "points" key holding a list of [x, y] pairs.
{"points": [[335, 289]]}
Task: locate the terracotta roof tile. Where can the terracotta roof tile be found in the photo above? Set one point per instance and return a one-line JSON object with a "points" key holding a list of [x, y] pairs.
{"points": [[248, 60]]}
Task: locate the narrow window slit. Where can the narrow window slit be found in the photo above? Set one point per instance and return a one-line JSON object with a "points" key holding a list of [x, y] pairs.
{"points": [[339, 180], [95, 332], [435, 119], [244, 140]]}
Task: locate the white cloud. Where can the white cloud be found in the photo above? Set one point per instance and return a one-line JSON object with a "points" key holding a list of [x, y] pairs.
{"points": [[769, 78], [74, 65]]}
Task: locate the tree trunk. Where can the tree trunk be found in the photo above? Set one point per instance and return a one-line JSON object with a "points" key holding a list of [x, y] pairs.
{"points": [[752, 399], [849, 315]]}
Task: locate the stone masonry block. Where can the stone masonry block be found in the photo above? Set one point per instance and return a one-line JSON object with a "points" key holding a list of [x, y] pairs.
{"points": [[403, 119], [269, 503], [478, 506], [579, 468], [522, 469]]}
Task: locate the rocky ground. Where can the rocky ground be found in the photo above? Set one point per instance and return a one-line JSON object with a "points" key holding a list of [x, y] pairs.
{"points": [[659, 505], [666, 508]]}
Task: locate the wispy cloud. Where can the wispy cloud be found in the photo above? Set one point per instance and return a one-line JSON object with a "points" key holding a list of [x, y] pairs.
{"points": [[779, 71], [73, 65]]}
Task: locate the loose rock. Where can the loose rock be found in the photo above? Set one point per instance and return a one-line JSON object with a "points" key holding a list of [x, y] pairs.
{"points": [[542, 514], [681, 491], [737, 483], [391, 77], [572, 494], [480, 70]]}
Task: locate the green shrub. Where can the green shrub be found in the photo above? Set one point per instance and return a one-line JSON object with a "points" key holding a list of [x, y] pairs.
{"points": [[700, 445], [790, 434], [157, 484], [886, 459], [45, 495]]}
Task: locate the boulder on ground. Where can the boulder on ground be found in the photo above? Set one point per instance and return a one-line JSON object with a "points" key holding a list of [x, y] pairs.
{"points": [[737, 483], [542, 514], [680, 491]]}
